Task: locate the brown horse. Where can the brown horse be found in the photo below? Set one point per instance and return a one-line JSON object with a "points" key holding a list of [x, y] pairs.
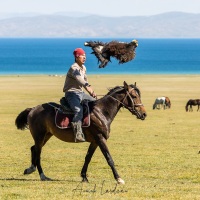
{"points": [[192, 102], [41, 122]]}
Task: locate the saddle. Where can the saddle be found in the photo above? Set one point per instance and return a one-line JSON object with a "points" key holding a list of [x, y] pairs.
{"points": [[64, 116]]}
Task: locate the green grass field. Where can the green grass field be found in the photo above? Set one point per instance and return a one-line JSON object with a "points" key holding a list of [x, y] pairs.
{"points": [[158, 158]]}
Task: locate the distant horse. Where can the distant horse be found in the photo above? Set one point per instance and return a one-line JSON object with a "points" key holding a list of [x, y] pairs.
{"points": [[162, 102], [192, 102], [41, 122]]}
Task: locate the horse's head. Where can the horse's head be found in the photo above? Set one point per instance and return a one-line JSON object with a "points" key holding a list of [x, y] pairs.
{"points": [[167, 102], [132, 101]]}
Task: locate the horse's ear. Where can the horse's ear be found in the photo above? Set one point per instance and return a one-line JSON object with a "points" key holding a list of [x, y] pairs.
{"points": [[125, 85], [135, 83]]}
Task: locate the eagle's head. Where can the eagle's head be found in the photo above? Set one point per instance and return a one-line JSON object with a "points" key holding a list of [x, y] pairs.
{"points": [[135, 42]]}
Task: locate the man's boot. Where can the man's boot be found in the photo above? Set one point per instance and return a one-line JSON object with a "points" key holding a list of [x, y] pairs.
{"points": [[77, 129]]}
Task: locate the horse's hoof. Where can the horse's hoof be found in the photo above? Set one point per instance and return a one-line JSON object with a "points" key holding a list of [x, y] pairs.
{"points": [[29, 170], [85, 180], [120, 181], [44, 178]]}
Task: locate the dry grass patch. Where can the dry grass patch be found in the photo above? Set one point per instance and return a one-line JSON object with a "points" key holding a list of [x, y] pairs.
{"points": [[158, 158]]}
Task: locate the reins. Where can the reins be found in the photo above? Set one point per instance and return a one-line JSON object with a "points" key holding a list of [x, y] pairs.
{"points": [[132, 109]]}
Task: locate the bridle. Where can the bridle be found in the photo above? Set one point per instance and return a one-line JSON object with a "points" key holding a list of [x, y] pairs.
{"points": [[133, 105]]}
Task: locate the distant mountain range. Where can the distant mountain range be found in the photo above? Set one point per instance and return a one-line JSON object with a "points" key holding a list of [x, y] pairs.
{"points": [[83, 25]]}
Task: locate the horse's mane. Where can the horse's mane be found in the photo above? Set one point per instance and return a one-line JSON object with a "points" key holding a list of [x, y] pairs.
{"points": [[120, 88], [115, 89]]}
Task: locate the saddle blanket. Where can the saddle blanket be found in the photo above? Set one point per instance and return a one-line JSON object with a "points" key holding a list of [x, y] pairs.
{"points": [[63, 120]]}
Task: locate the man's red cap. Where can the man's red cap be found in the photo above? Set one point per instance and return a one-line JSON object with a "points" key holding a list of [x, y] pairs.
{"points": [[78, 51]]}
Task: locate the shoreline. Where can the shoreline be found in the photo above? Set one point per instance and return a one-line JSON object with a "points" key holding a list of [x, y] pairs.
{"points": [[110, 74]]}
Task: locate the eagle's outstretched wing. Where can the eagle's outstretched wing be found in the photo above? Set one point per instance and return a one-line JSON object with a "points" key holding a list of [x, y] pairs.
{"points": [[97, 48], [122, 51]]}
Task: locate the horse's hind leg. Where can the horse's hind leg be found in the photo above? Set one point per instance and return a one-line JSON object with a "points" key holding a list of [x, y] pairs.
{"points": [[38, 149], [88, 157], [32, 168], [35, 158]]}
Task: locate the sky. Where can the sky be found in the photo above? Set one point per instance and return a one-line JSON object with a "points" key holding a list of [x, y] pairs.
{"points": [[100, 7]]}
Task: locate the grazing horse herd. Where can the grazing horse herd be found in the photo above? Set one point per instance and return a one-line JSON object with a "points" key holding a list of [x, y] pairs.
{"points": [[164, 103]]}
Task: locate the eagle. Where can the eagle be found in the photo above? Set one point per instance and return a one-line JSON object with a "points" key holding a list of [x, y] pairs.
{"points": [[122, 51]]}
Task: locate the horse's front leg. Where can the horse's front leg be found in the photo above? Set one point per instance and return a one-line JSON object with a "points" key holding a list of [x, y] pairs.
{"points": [[106, 153], [88, 157]]}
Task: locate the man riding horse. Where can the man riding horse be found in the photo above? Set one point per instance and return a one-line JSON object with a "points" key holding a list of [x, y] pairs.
{"points": [[75, 81]]}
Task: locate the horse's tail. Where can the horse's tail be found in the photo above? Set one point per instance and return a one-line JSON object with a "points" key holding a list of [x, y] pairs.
{"points": [[21, 120]]}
